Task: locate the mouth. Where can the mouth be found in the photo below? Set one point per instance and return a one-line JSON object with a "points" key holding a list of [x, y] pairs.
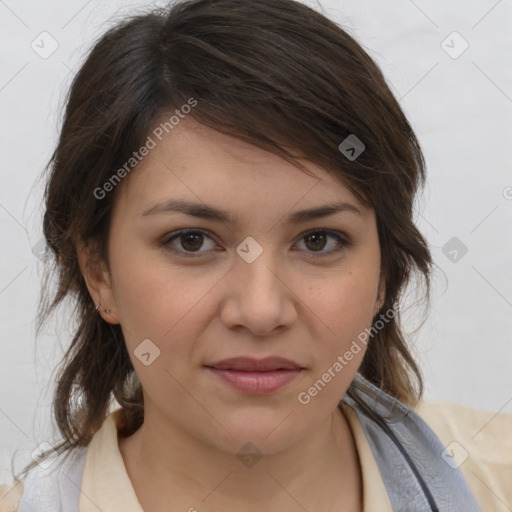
{"points": [[249, 364], [256, 376]]}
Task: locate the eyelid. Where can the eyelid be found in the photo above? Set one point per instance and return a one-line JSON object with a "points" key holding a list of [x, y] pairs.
{"points": [[167, 239], [341, 237]]}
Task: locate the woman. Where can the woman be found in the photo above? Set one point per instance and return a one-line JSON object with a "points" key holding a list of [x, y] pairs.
{"points": [[230, 205]]}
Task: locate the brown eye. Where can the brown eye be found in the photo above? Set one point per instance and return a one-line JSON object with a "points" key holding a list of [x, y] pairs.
{"points": [[317, 241], [191, 241], [188, 243]]}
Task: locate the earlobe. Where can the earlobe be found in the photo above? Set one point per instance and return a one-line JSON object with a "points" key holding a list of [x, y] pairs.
{"points": [[98, 282]]}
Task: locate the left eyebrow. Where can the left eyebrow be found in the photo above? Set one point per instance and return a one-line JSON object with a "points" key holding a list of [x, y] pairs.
{"points": [[209, 212], [322, 211]]}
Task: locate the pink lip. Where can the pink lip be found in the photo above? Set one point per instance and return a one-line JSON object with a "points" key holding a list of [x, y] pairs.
{"points": [[256, 376], [250, 364]]}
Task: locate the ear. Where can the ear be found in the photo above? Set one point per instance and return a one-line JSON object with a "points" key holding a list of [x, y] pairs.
{"points": [[381, 294], [99, 283]]}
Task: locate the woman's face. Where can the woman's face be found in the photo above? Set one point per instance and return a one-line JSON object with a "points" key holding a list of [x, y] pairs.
{"points": [[265, 282]]}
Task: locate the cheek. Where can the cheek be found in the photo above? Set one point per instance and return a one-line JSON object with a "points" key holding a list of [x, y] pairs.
{"points": [[158, 301], [345, 306], [167, 307]]}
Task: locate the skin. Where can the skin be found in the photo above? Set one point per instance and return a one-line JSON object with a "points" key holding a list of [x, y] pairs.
{"points": [[216, 306]]}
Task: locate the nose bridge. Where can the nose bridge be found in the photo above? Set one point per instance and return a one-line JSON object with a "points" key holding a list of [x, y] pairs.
{"points": [[264, 279], [258, 276], [260, 300]]}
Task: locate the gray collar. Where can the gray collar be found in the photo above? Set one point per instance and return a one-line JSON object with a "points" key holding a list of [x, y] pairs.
{"points": [[408, 454]]}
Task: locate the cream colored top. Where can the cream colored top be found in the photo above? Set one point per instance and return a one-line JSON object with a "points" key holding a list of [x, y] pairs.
{"points": [[479, 442], [486, 437]]}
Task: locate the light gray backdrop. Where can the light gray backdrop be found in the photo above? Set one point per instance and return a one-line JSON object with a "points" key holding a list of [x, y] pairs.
{"points": [[448, 62]]}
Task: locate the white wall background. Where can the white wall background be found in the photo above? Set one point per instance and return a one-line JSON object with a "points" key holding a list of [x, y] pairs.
{"points": [[461, 109]]}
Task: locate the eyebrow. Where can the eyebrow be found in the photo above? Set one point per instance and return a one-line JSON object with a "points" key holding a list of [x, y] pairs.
{"points": [[205, 211]]}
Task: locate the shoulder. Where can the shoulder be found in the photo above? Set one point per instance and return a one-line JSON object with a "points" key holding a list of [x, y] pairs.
{"points": [[55, 487], [55, 484], [477, 442]]}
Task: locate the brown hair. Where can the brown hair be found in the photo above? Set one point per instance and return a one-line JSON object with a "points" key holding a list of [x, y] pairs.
{"points": [[274, 73]]}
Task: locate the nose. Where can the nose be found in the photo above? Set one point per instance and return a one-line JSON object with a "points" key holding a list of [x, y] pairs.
{"points": [[259, 297]]}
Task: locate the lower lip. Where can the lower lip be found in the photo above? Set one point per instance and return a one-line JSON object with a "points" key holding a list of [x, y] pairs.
{"points": [[257, 383]]}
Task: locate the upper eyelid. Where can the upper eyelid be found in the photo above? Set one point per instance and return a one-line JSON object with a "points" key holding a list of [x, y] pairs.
{"points": [[345, 239], [173, 234]]}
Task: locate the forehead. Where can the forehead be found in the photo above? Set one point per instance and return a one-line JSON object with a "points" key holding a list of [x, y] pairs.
{"points": [[198, 163]]}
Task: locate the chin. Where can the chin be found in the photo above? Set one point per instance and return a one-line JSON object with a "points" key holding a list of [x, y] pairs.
{"points": [[265, 433]]}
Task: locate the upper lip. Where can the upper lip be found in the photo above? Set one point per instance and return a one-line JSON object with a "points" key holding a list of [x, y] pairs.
{"points": [[249, 364]]}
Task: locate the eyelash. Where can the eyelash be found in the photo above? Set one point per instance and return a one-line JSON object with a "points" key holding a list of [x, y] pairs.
{"points": [[340, 237]]}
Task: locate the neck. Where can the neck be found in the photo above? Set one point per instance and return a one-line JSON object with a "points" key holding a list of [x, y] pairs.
{"points": [[170, 466]]}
